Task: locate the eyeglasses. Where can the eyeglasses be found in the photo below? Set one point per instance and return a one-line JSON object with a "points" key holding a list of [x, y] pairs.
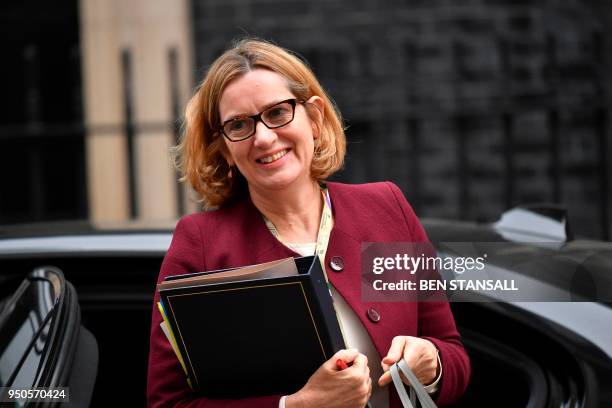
{"points": [[275, 116]]}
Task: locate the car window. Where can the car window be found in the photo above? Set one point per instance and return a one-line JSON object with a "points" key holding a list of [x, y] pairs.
{"points": [[24, 332]]}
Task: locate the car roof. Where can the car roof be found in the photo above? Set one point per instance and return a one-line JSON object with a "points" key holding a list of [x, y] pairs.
{"points": [[84, 237]]}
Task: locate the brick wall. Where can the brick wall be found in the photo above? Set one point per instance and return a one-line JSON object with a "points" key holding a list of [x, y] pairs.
{"points": [[471, 107]]}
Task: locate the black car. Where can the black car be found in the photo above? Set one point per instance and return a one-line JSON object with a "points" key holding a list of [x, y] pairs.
{"points": [[524, 354]]}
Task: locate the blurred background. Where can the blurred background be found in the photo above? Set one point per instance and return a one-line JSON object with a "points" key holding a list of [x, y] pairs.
{"points": [[470, 106]]}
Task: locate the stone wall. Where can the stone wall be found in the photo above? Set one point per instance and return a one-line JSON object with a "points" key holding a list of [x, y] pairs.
{"points": [[471, 107]]}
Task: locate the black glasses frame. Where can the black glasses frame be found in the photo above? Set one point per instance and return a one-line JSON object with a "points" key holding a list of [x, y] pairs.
{"points": [[257, 118]]}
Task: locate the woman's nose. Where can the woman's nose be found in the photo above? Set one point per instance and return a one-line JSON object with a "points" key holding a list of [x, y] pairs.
{"points": [[263, 136]]}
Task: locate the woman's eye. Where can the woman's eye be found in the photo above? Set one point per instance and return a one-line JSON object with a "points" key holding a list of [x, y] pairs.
{"points": [[277, 112], [237, 125]]}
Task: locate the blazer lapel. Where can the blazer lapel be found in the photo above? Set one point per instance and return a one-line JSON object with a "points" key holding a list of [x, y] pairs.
{"points": [[381, 319]]}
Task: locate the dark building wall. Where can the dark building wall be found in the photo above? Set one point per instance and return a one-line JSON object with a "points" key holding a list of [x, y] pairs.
{"points": [[471, 107], [42, 168]]}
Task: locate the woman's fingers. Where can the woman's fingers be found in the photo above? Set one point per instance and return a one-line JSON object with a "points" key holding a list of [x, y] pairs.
{"points": [[361, 362], [413, 351], [348, 356], [394, 354], [417, 354], [384, 379], [395, 351], [369, 391]]}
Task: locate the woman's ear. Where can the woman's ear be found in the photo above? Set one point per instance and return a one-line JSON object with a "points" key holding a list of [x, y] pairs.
{"points": [[317, 114], [229, 160], [227, 155]]}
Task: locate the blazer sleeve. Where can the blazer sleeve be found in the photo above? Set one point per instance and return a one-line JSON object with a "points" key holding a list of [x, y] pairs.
{"points": [[437, 324], [166, 380]]}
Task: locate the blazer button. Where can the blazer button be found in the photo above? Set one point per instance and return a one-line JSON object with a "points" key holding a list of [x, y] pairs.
{"points": [[336, 263], [373, 315]]}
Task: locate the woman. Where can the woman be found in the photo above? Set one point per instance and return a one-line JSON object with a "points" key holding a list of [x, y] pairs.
{"points": [[261, 138]]}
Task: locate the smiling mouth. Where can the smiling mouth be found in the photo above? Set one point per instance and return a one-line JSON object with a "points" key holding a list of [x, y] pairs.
{"points": [[273, 157]]}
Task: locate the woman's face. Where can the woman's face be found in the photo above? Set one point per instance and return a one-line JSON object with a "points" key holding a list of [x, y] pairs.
{"points": [[271, 159]]}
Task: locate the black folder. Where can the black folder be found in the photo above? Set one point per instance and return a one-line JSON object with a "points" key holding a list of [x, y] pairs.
{"points": [[254, 337]]}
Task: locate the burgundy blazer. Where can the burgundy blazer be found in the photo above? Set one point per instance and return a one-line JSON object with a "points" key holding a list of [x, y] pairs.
{"points": [[237, 235]]}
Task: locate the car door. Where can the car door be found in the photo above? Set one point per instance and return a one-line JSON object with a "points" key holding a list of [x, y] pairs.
{"points": [[43, 344]]}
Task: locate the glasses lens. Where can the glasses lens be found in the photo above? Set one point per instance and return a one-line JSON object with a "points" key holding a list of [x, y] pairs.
{"points": [[238, 128], [278, 115]]}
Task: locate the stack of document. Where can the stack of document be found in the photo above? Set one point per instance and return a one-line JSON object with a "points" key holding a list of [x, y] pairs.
{"points": [[257, 330]]}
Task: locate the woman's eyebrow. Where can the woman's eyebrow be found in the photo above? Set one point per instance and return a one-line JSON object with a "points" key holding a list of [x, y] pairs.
{"points": [[275, 103], [246, 115]]}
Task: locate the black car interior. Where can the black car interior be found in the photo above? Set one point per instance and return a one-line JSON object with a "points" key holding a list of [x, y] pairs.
{"points": [[42, 341]]}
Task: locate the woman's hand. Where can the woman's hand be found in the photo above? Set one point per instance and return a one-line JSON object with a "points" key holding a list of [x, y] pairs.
{"points": [[420, 355], [331, 387]]}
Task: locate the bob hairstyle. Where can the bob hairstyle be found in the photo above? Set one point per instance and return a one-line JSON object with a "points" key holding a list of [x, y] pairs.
{"points": [[200, 154]]}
